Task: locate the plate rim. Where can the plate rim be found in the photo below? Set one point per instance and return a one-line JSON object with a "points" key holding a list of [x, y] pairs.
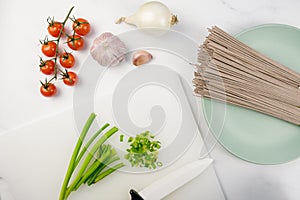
{"points": [[260, 26]]}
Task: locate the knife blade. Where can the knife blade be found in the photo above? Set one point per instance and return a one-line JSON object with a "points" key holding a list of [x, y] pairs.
{"points": [[172, 181]]}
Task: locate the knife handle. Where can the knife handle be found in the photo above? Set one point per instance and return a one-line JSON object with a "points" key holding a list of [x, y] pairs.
{"points": [[134, 195]]}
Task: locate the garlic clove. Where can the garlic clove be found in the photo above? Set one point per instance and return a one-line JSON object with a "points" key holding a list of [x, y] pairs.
{"points": [[141, 57], [108, 50]]}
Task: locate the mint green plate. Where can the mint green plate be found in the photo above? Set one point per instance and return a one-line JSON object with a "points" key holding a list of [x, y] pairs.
{"points": [[250, 135]]}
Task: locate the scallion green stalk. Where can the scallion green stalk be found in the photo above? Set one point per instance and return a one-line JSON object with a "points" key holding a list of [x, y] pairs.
{"points": [[108, 172], [90, 168], [88, 159], [90, 142], [74, 155], [91, 180]]}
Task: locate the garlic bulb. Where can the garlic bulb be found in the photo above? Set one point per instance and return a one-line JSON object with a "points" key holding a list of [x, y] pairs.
{"points": [[108, 49], [152, 14], [141, 57]]}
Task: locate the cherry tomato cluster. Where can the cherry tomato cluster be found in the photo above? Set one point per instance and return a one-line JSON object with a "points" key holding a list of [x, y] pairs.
{"points": [[54, 52]]}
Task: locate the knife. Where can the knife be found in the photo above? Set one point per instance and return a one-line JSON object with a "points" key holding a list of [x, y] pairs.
{"points": [[172, 181]]}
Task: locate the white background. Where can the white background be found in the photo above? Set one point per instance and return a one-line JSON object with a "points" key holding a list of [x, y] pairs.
{"points": [[23, 24]]}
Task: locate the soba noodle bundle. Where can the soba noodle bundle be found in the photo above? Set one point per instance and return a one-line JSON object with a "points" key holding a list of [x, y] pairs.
{"points": [[232, 72]]}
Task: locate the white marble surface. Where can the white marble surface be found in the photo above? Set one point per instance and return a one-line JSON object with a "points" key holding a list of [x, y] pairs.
{"points": [[23, 23]]}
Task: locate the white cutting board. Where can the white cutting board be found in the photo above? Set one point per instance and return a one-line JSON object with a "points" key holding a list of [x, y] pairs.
{"points": [[34, 159]]}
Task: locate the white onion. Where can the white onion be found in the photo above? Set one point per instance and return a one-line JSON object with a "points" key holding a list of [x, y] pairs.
{"points": [[152, 14]]}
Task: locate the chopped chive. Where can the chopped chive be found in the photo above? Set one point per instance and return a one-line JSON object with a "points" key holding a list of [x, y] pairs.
{"points": [[159, 164], [121, 138], [143, 151]]}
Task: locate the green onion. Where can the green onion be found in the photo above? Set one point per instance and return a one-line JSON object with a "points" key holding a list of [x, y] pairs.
{"points": [[121, 138], [100, 168], [143, 151], [90, 142], [108, 171], [91, 169], [74, 155]]}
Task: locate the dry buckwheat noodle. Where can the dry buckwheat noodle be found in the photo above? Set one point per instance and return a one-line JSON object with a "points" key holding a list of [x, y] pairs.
{"points": [[233, 72]]}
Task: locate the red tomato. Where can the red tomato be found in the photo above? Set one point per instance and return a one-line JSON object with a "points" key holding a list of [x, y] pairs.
{"points": [[81, 26], [70, 78], [54, 28], [75, 42], [67, 60], [48, 89], [47, 67], [49, 48]]}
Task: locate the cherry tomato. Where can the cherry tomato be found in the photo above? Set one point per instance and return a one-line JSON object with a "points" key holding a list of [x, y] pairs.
{"points": [[75, 42], [70, 78], [49, 48], [48, 89], [54, 28], [47, 67], [67, 60], [81, 26]]}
